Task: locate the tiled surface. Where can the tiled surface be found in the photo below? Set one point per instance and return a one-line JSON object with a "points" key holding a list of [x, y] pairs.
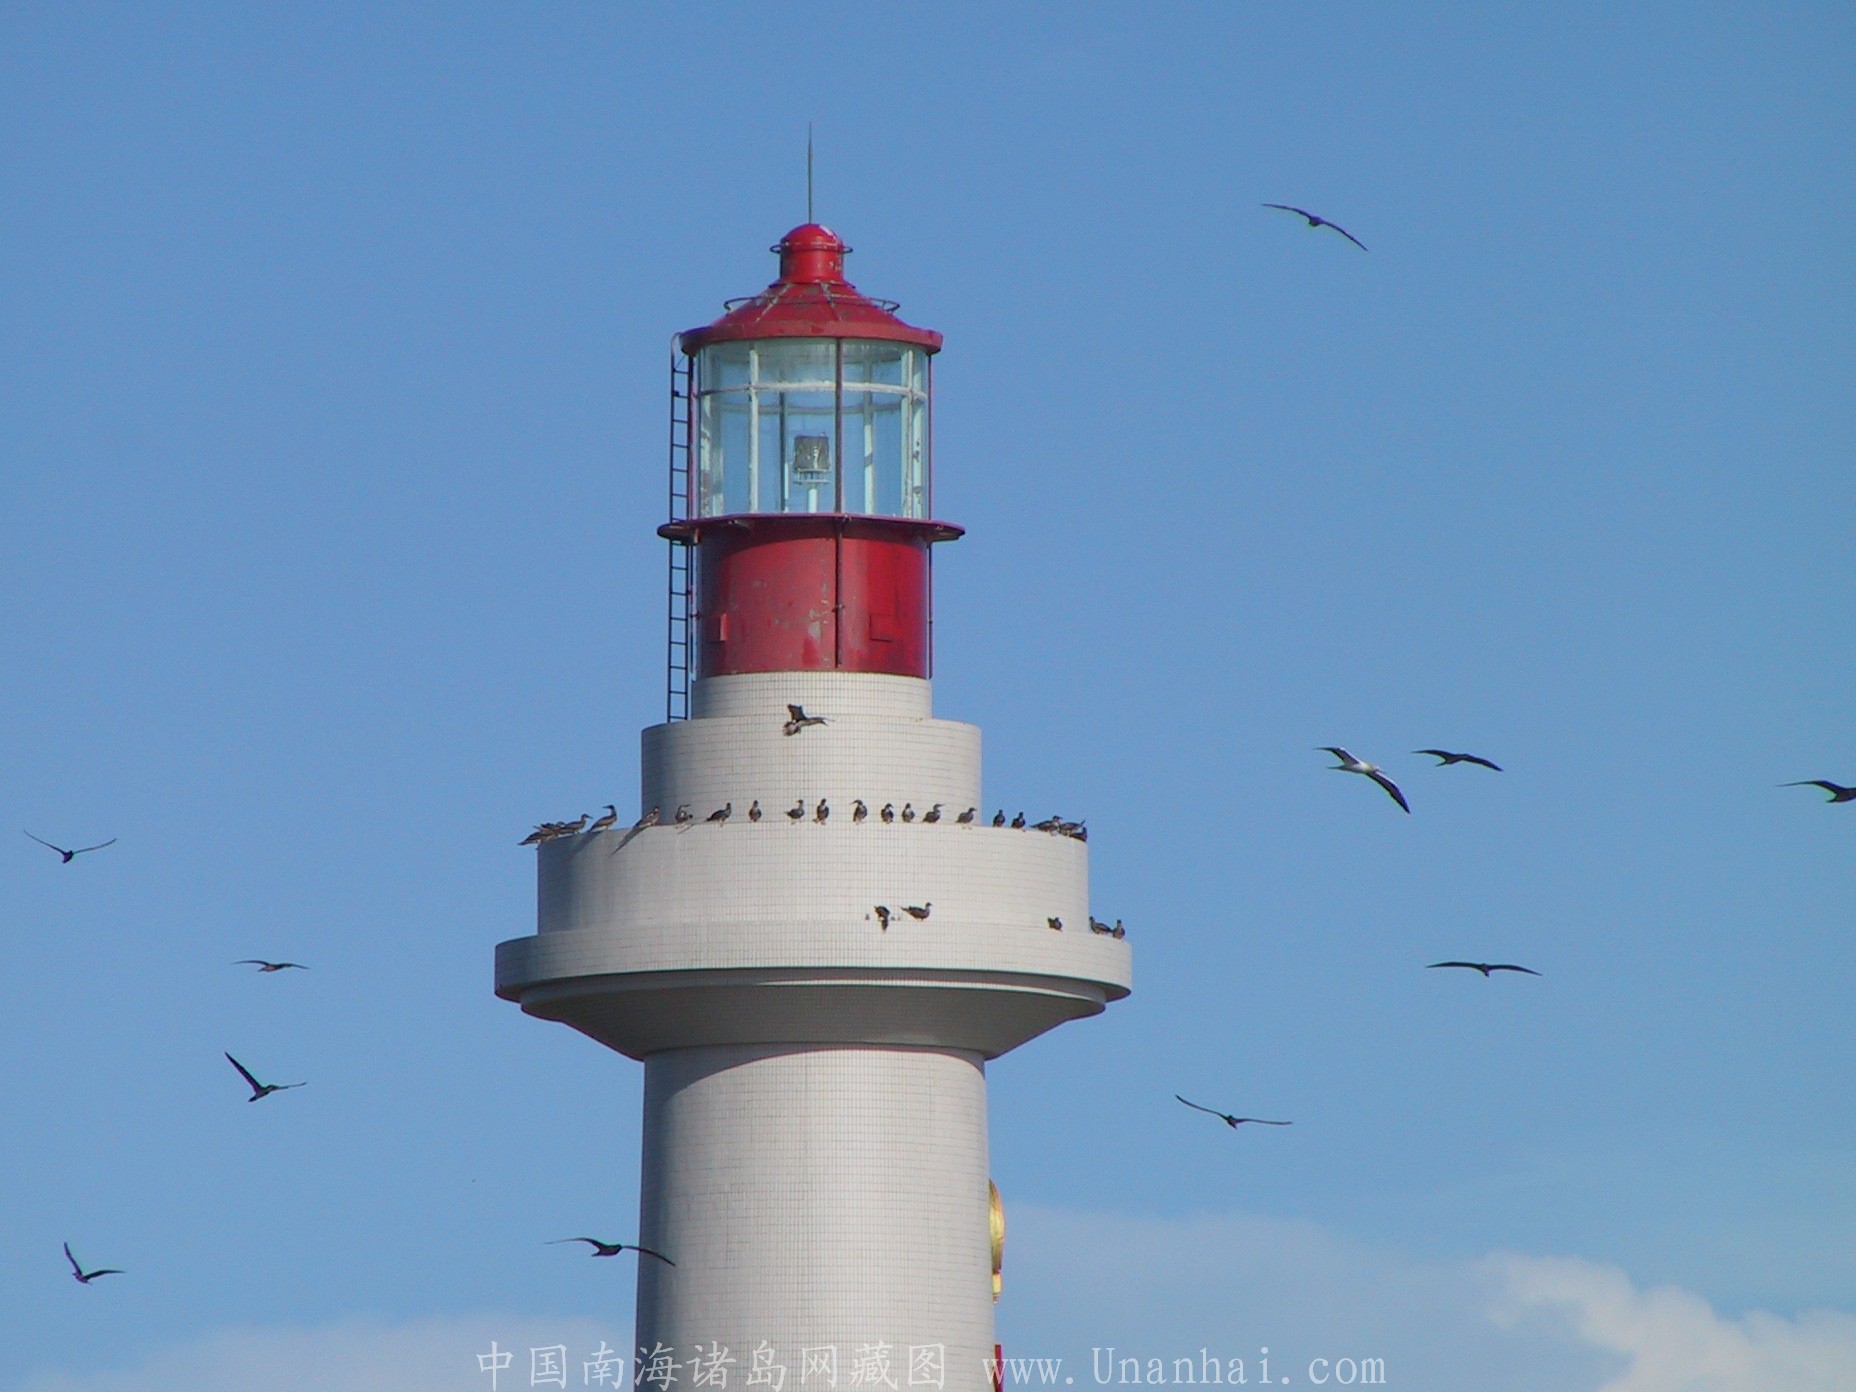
{"points": [[818, 1197]]}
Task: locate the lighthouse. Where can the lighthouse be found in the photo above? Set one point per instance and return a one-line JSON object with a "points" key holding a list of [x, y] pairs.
{"points": [[820, 943]]}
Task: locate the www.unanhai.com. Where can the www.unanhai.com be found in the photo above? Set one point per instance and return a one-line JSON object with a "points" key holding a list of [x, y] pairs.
{"points": [[1113, 1367]]}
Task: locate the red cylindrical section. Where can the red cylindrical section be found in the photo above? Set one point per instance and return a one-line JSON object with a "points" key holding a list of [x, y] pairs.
{"points": [[808, 592]]}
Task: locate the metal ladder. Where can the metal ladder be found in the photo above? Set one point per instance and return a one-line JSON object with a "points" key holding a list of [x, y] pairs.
{"points": [[682, 563]]}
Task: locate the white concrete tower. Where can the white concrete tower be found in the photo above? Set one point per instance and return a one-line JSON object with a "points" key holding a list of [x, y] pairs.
{"points": [[815, 1087]]}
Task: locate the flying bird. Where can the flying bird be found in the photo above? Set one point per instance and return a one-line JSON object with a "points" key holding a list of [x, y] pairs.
{"points": [[918, 912], [259, 1089], [612, 1249], [1838, 793], [1314, 220], [265, 966], [799, 720], [1349, 764], [1231, 1121], [84, 1277], [69, 855], [1445, 757], [1485, 967]]}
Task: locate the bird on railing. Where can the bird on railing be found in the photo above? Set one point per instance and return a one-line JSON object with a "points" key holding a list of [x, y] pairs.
{"points": [[1096, 925], [754, 811], [1018, 822], [858, 811], [607, 819], [998, 818], [966, 818], [684, 816], [797, 812], [721, 814], [824, 812], [888, 813], [933, 814], [918, 912], [908, 811]]}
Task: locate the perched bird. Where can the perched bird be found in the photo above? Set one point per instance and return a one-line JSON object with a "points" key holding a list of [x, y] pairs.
{"points": [[824, 812], [1118, 931], [84, 1277], [888, 813], [1018, 822], [649, 819], [721, 814], [1349, 764], [858, 811], [259, 1089], [1232, 1121], [1316, 221], [1056, 924], [1096, 925], [574, 828], [684, 816], [998, 818], [607, 820], [1444, 757], [1485, 967], [612, 1249], [882, 916], [541, 833], [754, 811], [1079, 830], [918, 912], [1838, 793], [799, 720], [933, 814], [966, 818], [908, 811], [265, 966], [797, 812], [68, 855]]}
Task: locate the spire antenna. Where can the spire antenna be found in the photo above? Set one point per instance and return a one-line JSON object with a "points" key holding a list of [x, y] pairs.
{"points": [[808, 171]]}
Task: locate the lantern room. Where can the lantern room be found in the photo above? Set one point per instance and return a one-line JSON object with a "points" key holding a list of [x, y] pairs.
{"points": [[806, 496]]}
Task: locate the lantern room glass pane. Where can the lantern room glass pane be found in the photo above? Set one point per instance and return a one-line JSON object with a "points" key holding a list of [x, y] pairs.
{"points": [[777, 432]]}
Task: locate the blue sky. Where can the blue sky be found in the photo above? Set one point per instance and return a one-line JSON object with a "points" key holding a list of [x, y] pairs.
{"points": [[335, 345]]}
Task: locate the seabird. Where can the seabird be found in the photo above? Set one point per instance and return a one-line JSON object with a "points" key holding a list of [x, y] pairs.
{"points": [[1315, 220], [823, 812], [966, 818], [684, 816], [882, 916], [1232, 1121], [1444, 757], [612, 1249], [1485, 967], [918, 912], [81, 850], [799, 720], [1118, 931], [754, 811], [1838, 793], [908, 811], [259, 1089], [1019, 821], [1349, 764], [797, 812], [998, 818], [1096, 925], [888, 813], [933, 814], [721, 814], [858, 811], [84, 1277], [649, 819], [1054, 923], [574, 828], [265, 966], [608, 819]]}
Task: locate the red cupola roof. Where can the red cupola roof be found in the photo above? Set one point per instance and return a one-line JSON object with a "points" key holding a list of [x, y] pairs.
{"points": [[811, 299]]}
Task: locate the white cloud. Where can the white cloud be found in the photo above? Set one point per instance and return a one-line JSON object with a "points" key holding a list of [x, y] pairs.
{"points": [[1671, 1339], [438, 1355]]}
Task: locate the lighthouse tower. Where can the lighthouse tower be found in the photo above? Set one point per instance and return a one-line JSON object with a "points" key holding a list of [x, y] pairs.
{"points": [[815, 1077]]}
